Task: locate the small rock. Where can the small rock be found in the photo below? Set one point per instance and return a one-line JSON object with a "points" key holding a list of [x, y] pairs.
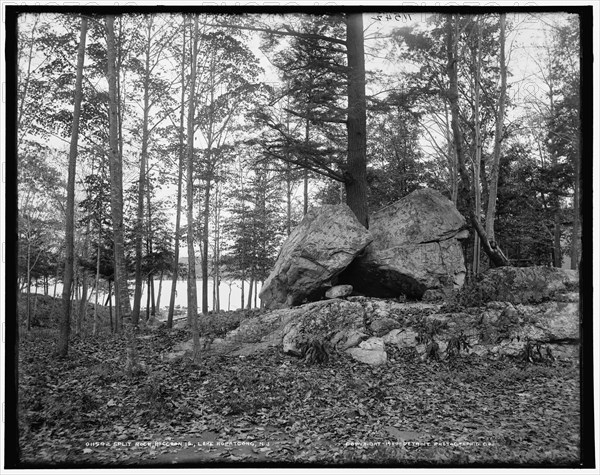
{"points": [[494, 305], [339, 291], [289, 341], [392, 336], [373, 343], [381, 327], [175, 355], [353, 338], [371, 357], [184, 346], [406, 338]]}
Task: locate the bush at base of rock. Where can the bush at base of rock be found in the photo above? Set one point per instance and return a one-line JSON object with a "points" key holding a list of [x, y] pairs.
{"points": [[520, 285]]}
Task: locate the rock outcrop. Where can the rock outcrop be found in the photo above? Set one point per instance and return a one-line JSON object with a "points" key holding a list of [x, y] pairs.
{"points": [[367, 328], [416, 247], [317, 250]]}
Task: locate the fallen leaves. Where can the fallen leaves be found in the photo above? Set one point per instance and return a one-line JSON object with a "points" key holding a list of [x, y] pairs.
{"points": [[273, 408]]}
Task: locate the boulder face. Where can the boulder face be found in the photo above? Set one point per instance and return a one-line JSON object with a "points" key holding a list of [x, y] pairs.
{"points": [[526, 284], [317, 250], [416, 247]]}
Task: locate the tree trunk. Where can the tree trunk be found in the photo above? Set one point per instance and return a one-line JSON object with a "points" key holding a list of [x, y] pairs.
{"points": [[110, 312], [229, 298], [216, 244], [179, 187], [142, 181], [95, 327], [243, 263], [215, 294], [255, 292], [160, 281], [84, 280], [148, 299], [28, 304], [150, 250], [65, 323], [122, 304], [306, 140], [35, 299], [356, 173], [575, 238], [56, 281], [83, 302], [288, 181], [207, 187], [26, 82], [192, 309], [153, 298], [242, 293], [250, 291], [477, 159], [493, 252], [493, 187], [556, 249]]}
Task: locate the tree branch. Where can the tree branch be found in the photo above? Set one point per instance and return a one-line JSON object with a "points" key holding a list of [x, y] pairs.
{"points": [[289, 32], [319, 119]]}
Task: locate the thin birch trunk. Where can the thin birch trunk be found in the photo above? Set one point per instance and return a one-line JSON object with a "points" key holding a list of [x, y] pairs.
{"points": [[65, 323], [122, 303], [175, 271], [192, 310]]}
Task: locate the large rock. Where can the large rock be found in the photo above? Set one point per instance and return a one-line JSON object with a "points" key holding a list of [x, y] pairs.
{"points": [[415, 247], [316, 251], [526, 284]]}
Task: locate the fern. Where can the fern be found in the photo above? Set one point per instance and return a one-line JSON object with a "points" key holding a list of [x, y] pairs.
{"points": [[315, 351]]}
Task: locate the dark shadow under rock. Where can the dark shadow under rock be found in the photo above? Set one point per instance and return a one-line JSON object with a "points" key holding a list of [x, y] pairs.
{"points": [[380, 282]]}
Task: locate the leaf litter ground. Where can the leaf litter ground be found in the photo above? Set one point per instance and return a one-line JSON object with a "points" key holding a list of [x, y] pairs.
{"points": [[271, 408]]}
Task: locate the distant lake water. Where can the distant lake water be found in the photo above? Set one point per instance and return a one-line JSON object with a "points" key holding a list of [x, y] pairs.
{"points": [[230, 293]]}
